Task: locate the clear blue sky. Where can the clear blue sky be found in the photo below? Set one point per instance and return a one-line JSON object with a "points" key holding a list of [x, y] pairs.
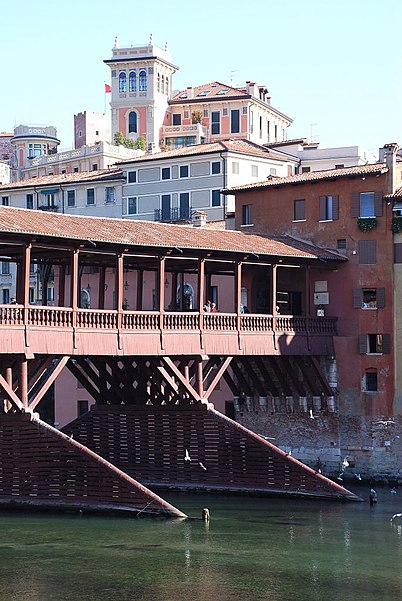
{"points": [[336, 64]]}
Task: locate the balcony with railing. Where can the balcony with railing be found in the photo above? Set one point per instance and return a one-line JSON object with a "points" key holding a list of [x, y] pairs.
{"points": [[173, 214], [155, 331]]}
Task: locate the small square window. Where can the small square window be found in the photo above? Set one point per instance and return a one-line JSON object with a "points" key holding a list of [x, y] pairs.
{"points": [[82, 408], [131, 177], [216, 198], [95, 167], [299, 210], [371, 381], [132, 205], [176, 119], [306, 169], [339, 166], [374, 344], [71, 198], [341, 244], [215, 167], [235, 167], [183, 170], [90, 196], [246, 215], [75, 169], [165, 172], [5, 201], [369, 298]]}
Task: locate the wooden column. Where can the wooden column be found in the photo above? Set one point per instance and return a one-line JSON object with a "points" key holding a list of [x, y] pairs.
{"points": [[181, 304], [101, 290], [201, 284], [273, 299], [306, 298], [23, 381], [9, 380], [161, 285], [208, 286], [119, 287], [74, 279], [200, 383], [22, 293]]}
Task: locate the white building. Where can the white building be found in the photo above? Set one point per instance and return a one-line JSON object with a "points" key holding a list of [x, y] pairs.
{"points": [[314, 158], [169, 186]]}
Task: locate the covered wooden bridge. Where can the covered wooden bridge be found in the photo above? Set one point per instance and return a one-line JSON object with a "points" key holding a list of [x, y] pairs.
{"points": [[129, 320]]}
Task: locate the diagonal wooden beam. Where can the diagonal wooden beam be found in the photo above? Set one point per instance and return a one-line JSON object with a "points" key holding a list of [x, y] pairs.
{"points": [[218, 376], [10, 394], [266, 376], [181, 378], [82, 378], [49, 381], [36, 369]]}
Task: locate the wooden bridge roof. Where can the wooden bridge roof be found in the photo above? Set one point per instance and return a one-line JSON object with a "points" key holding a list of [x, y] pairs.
{"points": [[148, 234]]}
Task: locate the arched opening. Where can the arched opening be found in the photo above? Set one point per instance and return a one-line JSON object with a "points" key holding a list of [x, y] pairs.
{"points": [[122, 82], [132, 82], [132, 123], [143, 81]]}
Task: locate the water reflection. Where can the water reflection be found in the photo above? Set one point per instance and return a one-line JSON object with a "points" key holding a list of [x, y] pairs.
{"points": [[253, 549]]}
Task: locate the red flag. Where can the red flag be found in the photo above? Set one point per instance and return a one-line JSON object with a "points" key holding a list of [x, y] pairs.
{"points": [[108, 88]]}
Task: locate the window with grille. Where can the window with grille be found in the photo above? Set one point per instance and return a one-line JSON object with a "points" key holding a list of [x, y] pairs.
{"points": [[71, 198], [371, 383]]}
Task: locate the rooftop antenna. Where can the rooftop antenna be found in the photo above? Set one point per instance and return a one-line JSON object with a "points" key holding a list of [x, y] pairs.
{"points": [[313, 136], [231, 73]]}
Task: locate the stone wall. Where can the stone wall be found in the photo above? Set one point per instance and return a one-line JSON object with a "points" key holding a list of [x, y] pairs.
{"points": [[322, 439]]}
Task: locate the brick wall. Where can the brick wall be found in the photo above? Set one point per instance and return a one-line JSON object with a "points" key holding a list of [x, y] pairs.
{"points": [[372, 444]]}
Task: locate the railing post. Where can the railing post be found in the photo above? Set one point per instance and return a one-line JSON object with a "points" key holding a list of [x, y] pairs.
{"points": [[161, 290]]}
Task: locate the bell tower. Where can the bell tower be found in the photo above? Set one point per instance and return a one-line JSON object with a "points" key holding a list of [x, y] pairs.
{"points": [[141, 82]]}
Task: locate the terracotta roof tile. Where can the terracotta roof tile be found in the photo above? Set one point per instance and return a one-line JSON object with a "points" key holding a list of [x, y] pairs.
{"points": [[237, 145], [396, 194], [66, 178], [313, 176], [146, 234], [214, 89]]}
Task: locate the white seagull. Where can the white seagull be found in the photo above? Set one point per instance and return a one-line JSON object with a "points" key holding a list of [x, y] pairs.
{"points": [[187, 456], [202, 465]]}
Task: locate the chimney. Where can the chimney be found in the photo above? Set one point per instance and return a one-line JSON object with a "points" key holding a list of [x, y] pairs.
{"points": [[198, 218], [190, 92], [390, 151]]}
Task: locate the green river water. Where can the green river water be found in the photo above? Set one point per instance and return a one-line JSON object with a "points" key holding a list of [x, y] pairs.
{"points": [[253, 549]]}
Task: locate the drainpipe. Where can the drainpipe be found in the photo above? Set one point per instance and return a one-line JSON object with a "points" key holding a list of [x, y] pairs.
{"points": [[224, 161], [37, 198], [62, 198]]}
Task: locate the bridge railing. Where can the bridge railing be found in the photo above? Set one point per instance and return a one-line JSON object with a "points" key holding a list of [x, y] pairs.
{"points": [[105, 319]]}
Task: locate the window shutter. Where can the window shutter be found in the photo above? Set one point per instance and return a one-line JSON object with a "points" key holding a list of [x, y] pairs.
{"points": [[380, 298], [357, 298], [363, 344], [386, 343], [355, 204], [299, 210], [323, 212], [378, 204], [398, 252], [367, 252], [335, 206]]}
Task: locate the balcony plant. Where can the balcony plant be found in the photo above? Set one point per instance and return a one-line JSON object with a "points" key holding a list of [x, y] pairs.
{"points": [[196, 117], [397, 224], [366, 224]]}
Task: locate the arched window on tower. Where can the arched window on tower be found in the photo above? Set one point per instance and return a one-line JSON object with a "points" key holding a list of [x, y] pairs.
{"points": [[158, 85], [132, 123], [143, 81], [132, 82], [163, 84], [167, 86], [122, 82]]}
